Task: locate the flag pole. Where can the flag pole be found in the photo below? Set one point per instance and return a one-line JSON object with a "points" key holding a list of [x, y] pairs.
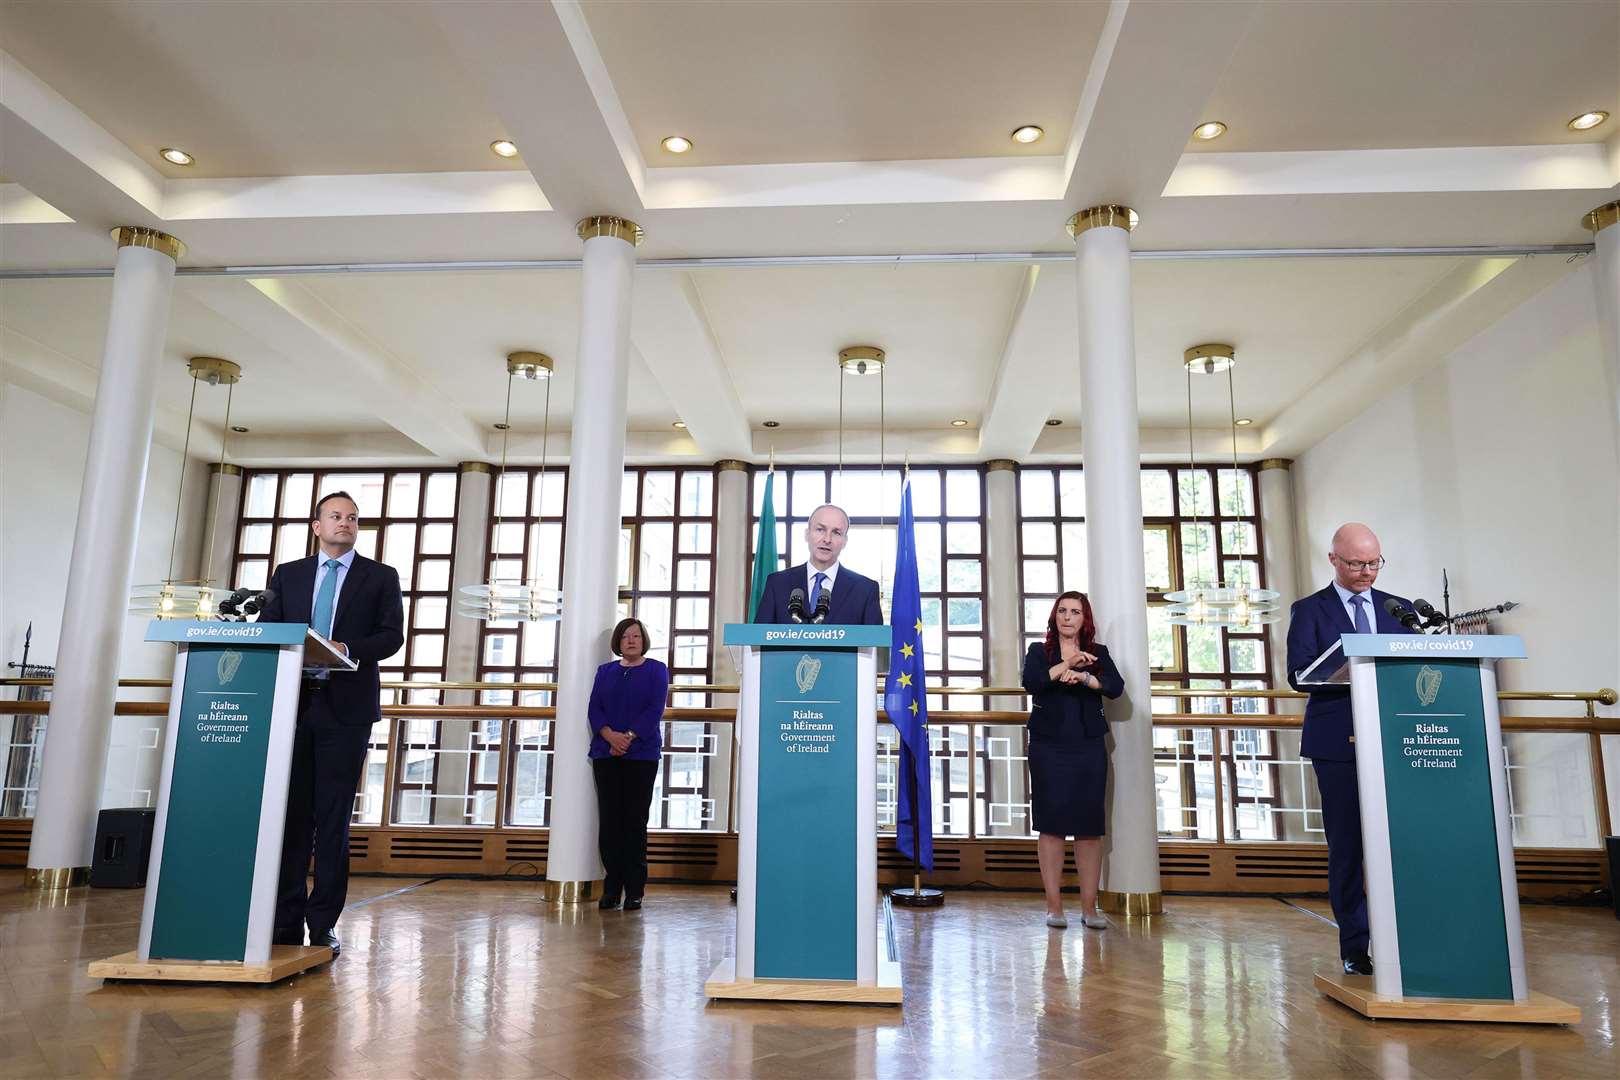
{"points": [[917, 896]]}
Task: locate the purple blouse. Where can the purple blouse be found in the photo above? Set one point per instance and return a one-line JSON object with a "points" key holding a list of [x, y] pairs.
{"points": [[629, 699]]}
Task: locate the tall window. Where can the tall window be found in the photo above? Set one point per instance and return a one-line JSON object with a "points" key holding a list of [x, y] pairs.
{"points": [[1197, 523], [948, 509], [407, 520]]}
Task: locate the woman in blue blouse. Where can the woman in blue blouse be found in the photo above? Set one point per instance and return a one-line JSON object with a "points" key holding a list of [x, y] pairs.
{"points": [[626, 716], [1067, 676]]}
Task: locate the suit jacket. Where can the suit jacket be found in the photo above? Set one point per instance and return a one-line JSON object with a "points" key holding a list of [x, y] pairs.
{"points": [[1314, 624], [854, 598], [370, 620], [1062, 713]]}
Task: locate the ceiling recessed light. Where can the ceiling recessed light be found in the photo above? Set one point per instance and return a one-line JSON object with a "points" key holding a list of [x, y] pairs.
{"points": [[959, 423], [679, 425], [677, 144], [1209, 129], [239, 429], [1243, 421], [1588, 120], [1054, 422], [180, 157], [773, 423], [504, 147], [502, 427], [1027, 134]]}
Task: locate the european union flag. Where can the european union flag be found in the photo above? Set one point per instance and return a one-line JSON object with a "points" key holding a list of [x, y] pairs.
{"points": [[905, 696]]}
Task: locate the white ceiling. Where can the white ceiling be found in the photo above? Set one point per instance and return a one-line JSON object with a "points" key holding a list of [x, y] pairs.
{"points": [[759, 83], [340, 136]]}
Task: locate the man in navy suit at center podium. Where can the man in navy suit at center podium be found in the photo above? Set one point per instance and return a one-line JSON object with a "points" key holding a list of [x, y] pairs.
{"points": [[853, 598], [1350, 605]]}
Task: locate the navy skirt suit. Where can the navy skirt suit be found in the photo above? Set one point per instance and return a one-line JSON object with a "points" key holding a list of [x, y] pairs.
{"points": [[1068, 760]]}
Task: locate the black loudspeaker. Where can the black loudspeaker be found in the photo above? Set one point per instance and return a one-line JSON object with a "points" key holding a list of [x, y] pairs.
{"points": [[1613, 844], [123, 847]]}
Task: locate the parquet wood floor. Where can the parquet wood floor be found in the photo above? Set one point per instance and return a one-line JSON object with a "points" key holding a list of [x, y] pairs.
{"points": [[479, 979]]}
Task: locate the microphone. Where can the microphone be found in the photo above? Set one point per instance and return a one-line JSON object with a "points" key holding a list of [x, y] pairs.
{"points": [[1431, 617], [230, 604], [256, 603], [1394, 609], [796, 605], [823, 606]]}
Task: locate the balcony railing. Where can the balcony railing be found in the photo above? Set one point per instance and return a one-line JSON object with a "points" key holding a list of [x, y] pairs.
{"points": [[1226, 769]]}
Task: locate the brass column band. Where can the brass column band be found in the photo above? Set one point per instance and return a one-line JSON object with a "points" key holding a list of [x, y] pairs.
{"points": [[617, 227], [731, 465], [474, 466], [51, 878], [1120, 217], [141, 236], [1000, 465], [1602, 217], [1275, 463], [223, 468], [1132, 904], [568, 892]]}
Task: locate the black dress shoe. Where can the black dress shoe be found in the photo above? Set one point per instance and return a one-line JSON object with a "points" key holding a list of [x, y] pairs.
{"points": [[608, 903], [633, 905], [318, 938], [1360, 964]]}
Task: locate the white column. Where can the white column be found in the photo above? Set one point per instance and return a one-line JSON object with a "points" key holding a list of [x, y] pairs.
{"points": [[1605, 224], [103, 560], [222, 520], [1111, 449], [732, 548], [590, 588], [1005, 614], [1276, 495], [461, 644]]}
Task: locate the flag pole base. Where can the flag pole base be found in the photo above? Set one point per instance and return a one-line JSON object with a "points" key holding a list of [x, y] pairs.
{"points": [[917, 897]]}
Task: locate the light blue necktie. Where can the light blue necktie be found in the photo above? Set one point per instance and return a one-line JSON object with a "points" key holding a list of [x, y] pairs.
{"points": [[322, 620], [1362, 626], [815, 591]]}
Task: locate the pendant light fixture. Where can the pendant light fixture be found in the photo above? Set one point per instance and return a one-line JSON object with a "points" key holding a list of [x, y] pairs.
{"points": [[855, 362], [192, 598], [508, 599], [1207, 600]]}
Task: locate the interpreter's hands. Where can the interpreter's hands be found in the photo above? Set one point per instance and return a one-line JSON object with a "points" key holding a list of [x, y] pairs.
{"points": [[1082, 660], [1069, 678]]}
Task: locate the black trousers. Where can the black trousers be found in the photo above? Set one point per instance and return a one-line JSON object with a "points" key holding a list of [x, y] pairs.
{"points": [[1341, 819], [328, 756], [623, 799]]}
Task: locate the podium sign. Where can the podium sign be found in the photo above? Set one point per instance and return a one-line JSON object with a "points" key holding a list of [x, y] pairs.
{"points": [[222, 803], [1442, 894], [807, 818]]}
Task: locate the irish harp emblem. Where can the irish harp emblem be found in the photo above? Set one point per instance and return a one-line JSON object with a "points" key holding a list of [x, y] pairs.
{"points": [[229, 661], [1428, 684], [806, 673]]}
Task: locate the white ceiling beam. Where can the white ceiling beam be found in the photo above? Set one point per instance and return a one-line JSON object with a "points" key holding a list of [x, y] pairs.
{"points": [[1018, 409], [382, 195], [358, 448], [543, 76], [53, 149], [1154, 69], [1576, 167], [336, 357], [670, 328], [1453, 311]]}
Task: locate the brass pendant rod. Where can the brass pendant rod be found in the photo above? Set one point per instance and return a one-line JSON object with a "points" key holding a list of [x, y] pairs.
{"points": [[213, 519], [180, 494]]}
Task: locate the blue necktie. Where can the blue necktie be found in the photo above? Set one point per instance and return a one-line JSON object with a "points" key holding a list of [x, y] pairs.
{"points": [[815, 591], [322, 619], [1362, 626]]}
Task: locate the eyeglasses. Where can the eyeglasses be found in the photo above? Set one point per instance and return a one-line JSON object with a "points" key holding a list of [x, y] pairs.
{"points": [[1356, 566]]}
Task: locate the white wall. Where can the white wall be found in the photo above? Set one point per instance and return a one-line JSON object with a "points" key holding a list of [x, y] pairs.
{"points": [[43, 444], [1498, 464]]}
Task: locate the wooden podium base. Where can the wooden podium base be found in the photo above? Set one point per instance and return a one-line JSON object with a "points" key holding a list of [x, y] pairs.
{"points": [[723, 984], [285, 960], [1357, 992]]}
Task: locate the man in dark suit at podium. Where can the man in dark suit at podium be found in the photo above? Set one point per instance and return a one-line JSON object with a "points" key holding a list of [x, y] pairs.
{"points": [[853, 599], [1350, 605], [356, 603]]}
